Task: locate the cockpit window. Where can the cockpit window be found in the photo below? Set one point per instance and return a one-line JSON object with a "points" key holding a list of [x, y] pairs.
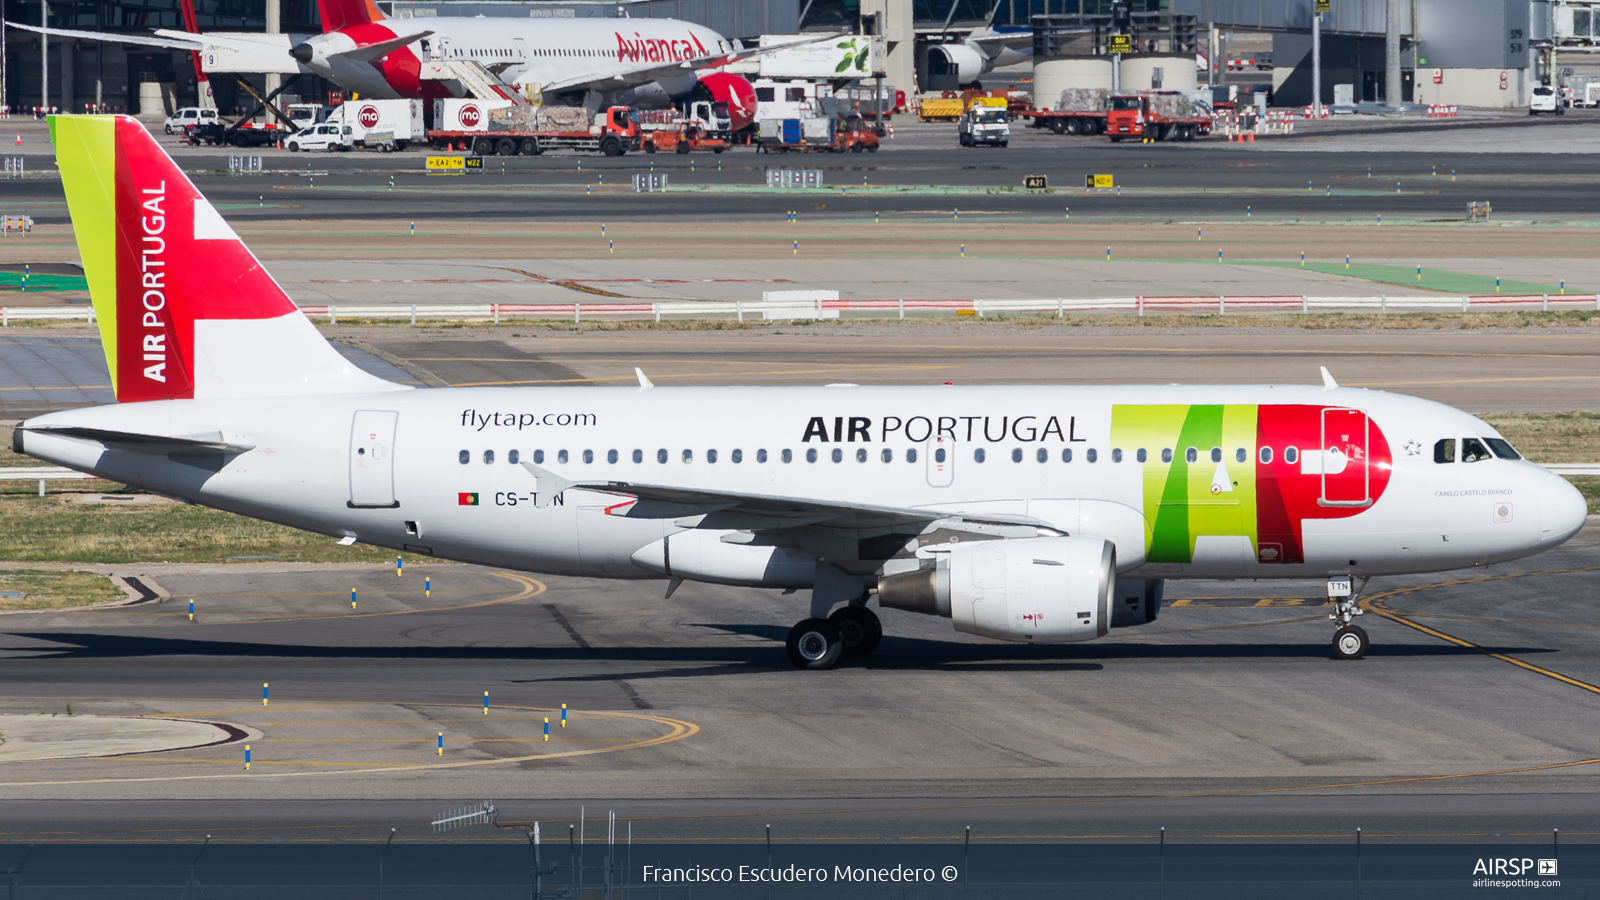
{"points": [[1502, 448], [1472, 450], [1445, 451]]}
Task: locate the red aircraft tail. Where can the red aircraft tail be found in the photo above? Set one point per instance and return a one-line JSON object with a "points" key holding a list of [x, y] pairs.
{"points": [[340, 14]]}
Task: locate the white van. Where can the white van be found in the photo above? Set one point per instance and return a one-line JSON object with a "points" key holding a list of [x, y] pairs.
{"points": [[1545, 101], [328, 136], [189, 115]]}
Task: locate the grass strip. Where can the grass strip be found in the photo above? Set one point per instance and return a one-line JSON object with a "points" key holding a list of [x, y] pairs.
{"points": [[55, 590]]}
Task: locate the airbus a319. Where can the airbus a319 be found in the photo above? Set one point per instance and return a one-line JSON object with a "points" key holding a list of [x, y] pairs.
{"points": [[1042, 513]]}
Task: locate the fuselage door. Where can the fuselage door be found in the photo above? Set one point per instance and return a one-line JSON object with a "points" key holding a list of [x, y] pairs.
{"points": [[372, 458], [941, 453], [1342, 463]]}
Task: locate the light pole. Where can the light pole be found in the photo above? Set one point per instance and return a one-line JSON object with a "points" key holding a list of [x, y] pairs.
{"points": [[1316, 62], [381, 854]]}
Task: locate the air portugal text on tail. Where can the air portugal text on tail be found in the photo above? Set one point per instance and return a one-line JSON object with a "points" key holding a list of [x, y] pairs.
{"points": [[1033, 513], [186, 310]]}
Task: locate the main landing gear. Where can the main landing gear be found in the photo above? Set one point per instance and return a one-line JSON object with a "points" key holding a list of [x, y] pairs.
{"points": [[1350, 641], [820, 643]]}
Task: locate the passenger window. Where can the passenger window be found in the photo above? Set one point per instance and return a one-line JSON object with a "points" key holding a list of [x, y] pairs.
{"points": [[488, 457], [611, 457], [979, 455], [1140, 455], [1016, 454], [811, 454], [688, 456], [1266, 455], [561, 457], [1216, 454], [737, 456], [861, 454], [1093, 455], [1191, 455], [588, 456], [1502, 448], [938, 455], [466, 457], [1291, 455], [661, 455], [838, 455], [1445, 451], [1240, 455], [1116, 454], [513, 457], [638, 456], [887, 455], [911, 455], [1472, 450], [761, 456], [1042, 455], [787, 456], [538, 457], [1066, 454], [711, 456], [1166, 454]]}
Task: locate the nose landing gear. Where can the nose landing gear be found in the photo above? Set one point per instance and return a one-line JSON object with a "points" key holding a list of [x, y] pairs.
{"points": [[1350, 641]]}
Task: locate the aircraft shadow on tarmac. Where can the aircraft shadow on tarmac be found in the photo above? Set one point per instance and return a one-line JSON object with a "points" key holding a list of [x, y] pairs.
{"points": [[896, 653]]}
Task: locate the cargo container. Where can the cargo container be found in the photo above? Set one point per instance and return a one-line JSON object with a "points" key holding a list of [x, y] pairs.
{"points": [[531, 130]]}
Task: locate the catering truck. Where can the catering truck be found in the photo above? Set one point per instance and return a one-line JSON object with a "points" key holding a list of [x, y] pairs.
{"points": [[984, 124], [1157, 116], [501, 129]]}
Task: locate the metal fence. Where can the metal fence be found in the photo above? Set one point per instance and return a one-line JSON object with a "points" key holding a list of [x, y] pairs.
{"points": [[887, 308]]}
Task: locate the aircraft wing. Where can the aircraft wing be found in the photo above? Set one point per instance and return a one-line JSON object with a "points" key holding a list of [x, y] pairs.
{"points": [[625, 75], [376, 49], [140, 40], [992, 44], [752, 512]]}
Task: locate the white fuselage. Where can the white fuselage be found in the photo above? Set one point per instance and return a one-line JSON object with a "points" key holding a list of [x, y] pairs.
{"points": [[305, 462]]}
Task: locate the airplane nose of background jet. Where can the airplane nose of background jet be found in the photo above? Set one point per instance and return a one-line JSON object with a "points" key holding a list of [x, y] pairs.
{"points": [[302, 53], [1562, 511]]}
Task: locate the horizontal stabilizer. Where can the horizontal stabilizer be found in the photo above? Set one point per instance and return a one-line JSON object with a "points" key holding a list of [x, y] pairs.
{"points": [[160, 444]]}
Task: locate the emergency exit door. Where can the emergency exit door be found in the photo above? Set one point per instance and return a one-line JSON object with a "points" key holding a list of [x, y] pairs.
{"points": [[372, 459], [1346, 476]]}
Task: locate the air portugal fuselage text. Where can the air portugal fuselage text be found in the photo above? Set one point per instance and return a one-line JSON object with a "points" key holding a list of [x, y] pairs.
{"points": [[916, 429]]}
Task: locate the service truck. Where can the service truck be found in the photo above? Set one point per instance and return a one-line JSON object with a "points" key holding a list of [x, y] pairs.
{"points": [[1158, 116], [501, 129], [698, 125], [1077, 111], [984, 124], [386, 125]]}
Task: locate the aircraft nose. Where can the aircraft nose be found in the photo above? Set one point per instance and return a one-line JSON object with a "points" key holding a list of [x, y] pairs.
{"points": [[1562, 511], [302, 53]]}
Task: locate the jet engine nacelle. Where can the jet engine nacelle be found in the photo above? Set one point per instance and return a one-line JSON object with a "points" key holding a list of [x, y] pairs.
{"points": [[1136, 601], [1038, 590], [721, 557], [964, 61]]}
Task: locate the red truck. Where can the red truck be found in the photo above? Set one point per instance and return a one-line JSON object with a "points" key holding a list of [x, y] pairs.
{"points": [[1157, 116], [530, 131]]}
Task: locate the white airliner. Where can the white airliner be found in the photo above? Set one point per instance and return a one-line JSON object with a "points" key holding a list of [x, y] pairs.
{"points": [[1039, 514], [630, 62]]}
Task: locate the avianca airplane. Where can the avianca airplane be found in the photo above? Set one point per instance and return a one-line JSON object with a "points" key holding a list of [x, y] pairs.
{"points": [[1038, 514], [630, 62]]}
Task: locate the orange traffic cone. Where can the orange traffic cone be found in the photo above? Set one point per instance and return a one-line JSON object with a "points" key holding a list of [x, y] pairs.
{"points": [[19, 139], [1252, 137]]}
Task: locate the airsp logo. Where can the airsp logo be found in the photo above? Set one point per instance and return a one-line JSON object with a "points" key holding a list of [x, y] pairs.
{"points": [[1501, 866]]}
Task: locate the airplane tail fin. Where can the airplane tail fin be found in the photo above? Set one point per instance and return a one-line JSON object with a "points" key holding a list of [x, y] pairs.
{"points": [[339, 14], [185, 309]]}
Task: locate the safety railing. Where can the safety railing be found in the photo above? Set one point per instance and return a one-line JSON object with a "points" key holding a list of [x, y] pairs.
{"points": [[879, 308]]}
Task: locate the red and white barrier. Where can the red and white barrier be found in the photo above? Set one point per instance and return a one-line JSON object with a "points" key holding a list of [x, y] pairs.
{"points": [[1442, 111]]}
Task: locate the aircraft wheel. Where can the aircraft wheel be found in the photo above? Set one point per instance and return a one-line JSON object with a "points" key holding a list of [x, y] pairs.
{"points": [[1350, 642], [859, 629], [814, 644]]}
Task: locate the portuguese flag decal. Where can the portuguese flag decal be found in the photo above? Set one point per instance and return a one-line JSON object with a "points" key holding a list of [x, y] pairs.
{"points": [[467, 499]]}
